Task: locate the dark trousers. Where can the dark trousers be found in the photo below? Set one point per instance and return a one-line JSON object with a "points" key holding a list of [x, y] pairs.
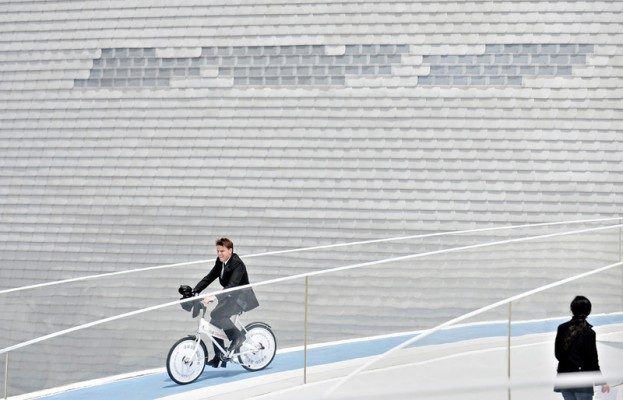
{"points": [[221, 316]]}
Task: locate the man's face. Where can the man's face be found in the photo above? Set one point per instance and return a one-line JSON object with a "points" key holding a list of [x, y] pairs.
{"points": [[223, 253]]}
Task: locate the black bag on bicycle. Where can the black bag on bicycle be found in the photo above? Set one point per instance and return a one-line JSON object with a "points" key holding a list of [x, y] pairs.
{"points": [[186, 292]]}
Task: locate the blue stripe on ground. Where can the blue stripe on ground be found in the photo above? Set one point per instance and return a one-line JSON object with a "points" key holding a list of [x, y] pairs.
{"points": [[157, 385]]}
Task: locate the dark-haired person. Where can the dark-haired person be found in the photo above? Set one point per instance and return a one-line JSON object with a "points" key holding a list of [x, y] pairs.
{"points": [[576, 350], [231, 272]]}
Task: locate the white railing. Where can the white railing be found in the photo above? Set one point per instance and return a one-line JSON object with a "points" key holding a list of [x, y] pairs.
{"points": [[505, 302], [614, 246], [306, 249]]}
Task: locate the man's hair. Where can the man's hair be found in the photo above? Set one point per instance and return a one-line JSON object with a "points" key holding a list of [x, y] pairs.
{"points": [[225, 243]]}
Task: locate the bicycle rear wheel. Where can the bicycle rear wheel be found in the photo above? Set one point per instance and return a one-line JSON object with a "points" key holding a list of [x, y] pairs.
{"points": [[186, 360], [259, 348]]}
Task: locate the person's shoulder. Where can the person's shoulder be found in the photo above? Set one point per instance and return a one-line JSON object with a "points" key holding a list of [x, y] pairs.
{"points": [[564, 325], [589, 330], [237, 260]]}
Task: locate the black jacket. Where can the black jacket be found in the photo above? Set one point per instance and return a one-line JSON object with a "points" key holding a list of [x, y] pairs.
{"points": [[235, 274], [581, 355]]}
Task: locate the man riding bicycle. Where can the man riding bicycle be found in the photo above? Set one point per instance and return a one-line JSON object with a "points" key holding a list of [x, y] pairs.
{"points": [[231, 272]]}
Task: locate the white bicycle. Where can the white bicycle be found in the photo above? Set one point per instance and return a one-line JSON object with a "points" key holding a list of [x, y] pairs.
{"points": [[188, 356]]}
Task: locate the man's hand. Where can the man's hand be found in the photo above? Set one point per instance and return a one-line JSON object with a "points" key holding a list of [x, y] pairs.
{"points": [[208, 299]]}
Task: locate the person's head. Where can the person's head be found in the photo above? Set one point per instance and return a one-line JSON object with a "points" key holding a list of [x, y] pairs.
{"points": [[581, 307], [224, 249]]}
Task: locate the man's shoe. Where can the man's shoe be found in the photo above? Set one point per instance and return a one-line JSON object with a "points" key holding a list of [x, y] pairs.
{"points": [[216, 361]]}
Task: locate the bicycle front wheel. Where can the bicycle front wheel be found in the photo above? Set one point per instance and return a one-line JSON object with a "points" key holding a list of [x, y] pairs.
{"points": [[259, 349], [186, 360]]}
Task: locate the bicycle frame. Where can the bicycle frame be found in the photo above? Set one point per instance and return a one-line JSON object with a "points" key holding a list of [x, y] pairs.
{"points": [[205, 328]]}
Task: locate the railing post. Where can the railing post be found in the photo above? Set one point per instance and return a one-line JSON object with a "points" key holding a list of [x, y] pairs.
{"points": [[305, 331], [6, 376], [620, 242], [508, 348], [620, 251]]}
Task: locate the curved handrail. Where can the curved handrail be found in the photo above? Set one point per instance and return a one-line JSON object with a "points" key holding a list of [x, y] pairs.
{"points": [[464, 317], [304, 275], [329, 246], [569, 380]]}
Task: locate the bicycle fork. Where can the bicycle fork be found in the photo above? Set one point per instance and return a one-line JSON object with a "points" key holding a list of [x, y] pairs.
{"points": [[189, 360]]}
